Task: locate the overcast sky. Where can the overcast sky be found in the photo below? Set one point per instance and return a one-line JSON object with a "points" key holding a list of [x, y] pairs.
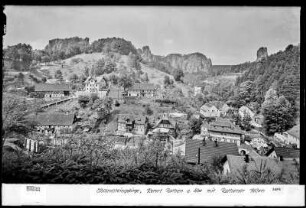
{"points": [[227, 35]]}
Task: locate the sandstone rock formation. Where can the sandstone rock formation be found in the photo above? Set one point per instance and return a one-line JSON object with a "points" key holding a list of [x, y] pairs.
{"points": [[68, 46], [189, 63], [262, 53]]}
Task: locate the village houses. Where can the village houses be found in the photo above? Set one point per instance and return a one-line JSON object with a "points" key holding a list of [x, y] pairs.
{"points": [[133, 124], [222, 130], [256, 120], [204, 151], [233, 165], [209, 111], [53, 91], [165, 125], [54, 124], [292, 136], [283, 153], [95, 85], [244, 111], [142, 90]]}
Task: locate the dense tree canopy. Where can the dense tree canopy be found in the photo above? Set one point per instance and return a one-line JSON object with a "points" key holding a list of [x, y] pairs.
{"points": [[279, 115], [19, 56]]}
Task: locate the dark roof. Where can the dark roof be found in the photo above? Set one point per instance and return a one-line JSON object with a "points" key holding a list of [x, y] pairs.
{"points": [[223, 126], [165, 120], [208, 151], [143, 86], [52, 87], [54, 119], [138, 119], [250, 149], [236, 164], [208, 105], [287, 152], [100, 80], [295, 131]]}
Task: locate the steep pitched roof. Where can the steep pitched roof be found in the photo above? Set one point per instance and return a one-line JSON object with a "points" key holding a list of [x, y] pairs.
{"points": [[143, 86], [208, 106], [295, 131], [208, 151], [165, 120], [90, 78], [54, 119], [245, 109], [236, 164], [225, 107], [250, 150], [51, 87], [222, 125], [287, 152], [217, 104]]}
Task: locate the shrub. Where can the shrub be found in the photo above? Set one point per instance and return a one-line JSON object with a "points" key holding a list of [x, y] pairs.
{"points": [[148, 110], [83, 100]]}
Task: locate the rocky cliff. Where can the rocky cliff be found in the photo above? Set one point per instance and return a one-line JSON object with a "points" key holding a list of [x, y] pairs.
{"points": [[73, 46], [68, 46], [116, 45], [189, 63], [262, 53]]}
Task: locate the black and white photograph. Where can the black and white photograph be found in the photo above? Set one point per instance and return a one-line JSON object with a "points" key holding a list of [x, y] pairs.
{"points": [[151, 95]]}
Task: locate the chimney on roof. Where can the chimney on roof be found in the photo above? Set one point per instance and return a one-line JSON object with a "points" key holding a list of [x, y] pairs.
{"points": [[203, 142], [281, 158], [216, 143], [246, 158], [199, 155]]}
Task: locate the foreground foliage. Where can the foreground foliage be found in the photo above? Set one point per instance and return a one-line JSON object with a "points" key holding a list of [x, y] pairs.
{"points": [[93, 160]]}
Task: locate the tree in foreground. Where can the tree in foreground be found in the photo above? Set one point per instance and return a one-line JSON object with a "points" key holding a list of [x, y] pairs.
{"points": [[279, 116]]}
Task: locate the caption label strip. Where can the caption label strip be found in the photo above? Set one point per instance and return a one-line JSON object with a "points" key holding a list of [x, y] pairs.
{"points": [[197, 195]]}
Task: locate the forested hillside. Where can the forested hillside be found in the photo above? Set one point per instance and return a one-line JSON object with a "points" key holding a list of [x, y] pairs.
{"points": [[271, 86], [19, 57], [281, 69]]}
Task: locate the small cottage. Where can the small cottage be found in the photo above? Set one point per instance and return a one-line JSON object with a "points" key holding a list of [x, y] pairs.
{"points": [[209, 111], [291, 136], [243, 111], [53, 91], [199, 152], [283, 153], [233, 165], [94, 85], [54, 124], [135, 124], [222, 130], [142, 90], [166, 124]]}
